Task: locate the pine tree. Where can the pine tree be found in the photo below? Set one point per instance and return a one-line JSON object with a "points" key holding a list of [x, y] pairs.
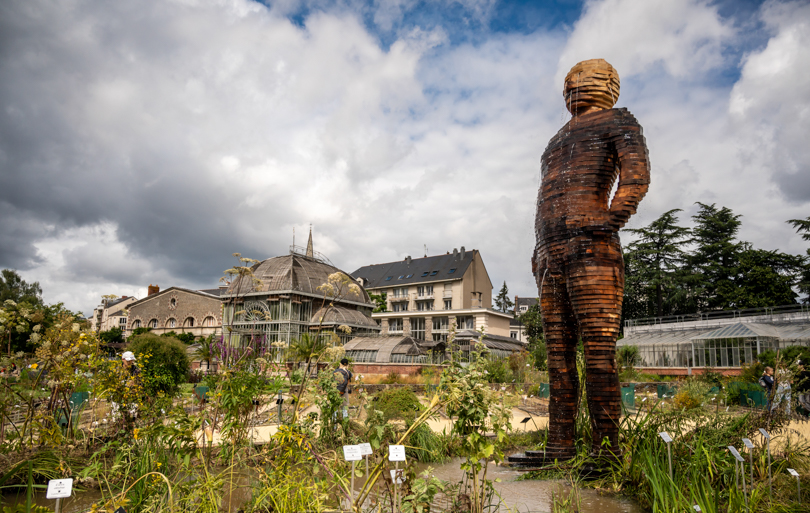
{"points": [[803, 227], [716, 257], [502, 300], [656, 266]]}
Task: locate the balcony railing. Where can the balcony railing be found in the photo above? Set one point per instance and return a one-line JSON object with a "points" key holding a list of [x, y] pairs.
{"points": [[420, 297], [448, 294]]}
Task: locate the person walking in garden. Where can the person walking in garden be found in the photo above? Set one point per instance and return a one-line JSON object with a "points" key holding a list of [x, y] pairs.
{"points": [[343, 376]]}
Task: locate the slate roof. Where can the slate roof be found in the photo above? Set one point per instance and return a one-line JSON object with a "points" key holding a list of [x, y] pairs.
{"points": [[214, 292], [417, 270]]}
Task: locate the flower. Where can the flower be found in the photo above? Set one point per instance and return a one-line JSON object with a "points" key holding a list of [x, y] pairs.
{"points": [[135, 433], [33, 366]]}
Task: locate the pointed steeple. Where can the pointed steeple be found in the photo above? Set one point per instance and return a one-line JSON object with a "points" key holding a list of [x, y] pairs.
{"points": [[310, 251]]}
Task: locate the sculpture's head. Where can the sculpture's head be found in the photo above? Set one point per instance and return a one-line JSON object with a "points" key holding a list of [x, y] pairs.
{"points": [[591, 85]]}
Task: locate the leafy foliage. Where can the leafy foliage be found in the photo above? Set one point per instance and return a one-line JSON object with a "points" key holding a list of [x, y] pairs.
{"points": [[381, 300], [163, 363], [13, 287], [113, 335]]}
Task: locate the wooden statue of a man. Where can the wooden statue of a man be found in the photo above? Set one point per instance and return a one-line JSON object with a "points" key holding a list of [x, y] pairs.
{"points": [[578, 258]]}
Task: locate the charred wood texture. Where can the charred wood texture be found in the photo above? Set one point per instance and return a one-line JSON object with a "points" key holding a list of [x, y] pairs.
{"points": [[578, 259]]}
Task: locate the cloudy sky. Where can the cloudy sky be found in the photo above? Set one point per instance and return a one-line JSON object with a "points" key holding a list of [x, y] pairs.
{"points": [[145, 141]]}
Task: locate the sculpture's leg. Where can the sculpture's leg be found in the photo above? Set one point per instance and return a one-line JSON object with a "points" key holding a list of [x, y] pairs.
{"points": [[596, 287], [559, 326]]}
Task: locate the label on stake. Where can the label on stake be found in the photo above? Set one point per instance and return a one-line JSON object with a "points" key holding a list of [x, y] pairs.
{"points": [[793, 472], [365, 449], [398, 476], [764, 433], [665, 436], [736, 453], [396, 453], [59, 488], [352, 453], [748, 443], [697, 508]]}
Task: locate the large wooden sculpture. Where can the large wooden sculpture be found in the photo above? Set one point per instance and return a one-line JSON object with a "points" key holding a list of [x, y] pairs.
{"points": [[578, 259]]}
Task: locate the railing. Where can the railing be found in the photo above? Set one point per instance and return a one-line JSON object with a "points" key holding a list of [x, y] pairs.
{"points": [[448, 294], [718, 318], [424, 296]]}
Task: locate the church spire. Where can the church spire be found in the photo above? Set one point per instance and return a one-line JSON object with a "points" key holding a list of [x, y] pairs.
{"points": [[310, 251]]}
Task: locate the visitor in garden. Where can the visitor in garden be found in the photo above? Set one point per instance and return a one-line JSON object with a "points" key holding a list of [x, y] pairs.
{"points": [[766, 381], [128, 361], [782, 391], [343, 376]]}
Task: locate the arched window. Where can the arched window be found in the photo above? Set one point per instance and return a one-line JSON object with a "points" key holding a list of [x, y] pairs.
{"points": [[189, 322], [171, 323], [208, 321], [153, 323], [136, 324]]}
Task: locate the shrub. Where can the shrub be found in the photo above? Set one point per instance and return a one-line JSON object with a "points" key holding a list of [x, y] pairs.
{"points": [[497, 371], [691, 394], [391, 378], [163, 362], [399, 403], [186, 338]]}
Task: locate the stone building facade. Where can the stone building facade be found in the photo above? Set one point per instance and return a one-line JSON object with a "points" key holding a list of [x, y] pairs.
{"points": [[180, 310]]}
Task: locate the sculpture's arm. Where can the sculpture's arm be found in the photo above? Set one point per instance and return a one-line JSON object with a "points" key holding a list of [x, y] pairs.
{"points": [[634, 170]]}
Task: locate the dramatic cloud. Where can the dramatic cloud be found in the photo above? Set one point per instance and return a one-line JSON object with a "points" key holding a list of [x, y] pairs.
{"points": [[145, 142]]}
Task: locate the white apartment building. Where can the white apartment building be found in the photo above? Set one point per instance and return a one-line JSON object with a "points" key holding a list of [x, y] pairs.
{"points": [[426, 296]]}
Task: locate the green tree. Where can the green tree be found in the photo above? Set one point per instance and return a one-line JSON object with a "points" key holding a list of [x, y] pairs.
{"points": [[113, 335], [532, 321], [716, 258], [163, 363], [803, 227], [13, 287], [381, 300], [206, 350], [657, 257], [766, 278], [502, 300]]}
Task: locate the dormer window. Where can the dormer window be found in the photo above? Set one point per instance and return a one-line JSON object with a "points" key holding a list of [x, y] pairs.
{"points": [[451, 271], [434, 273], [389, 278]]}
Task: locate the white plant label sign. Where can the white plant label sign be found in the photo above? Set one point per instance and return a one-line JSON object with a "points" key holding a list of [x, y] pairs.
{"points": [[793, 472], [59, 488], [736, 453], [352, 452], [764, 433], [365, 449], [748, 443], [396, 453], [697, 508], [665, 436]]}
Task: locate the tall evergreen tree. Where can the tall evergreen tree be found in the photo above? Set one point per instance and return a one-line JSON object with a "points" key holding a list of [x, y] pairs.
{"points": [[803, 227], [13, 287], [502, 300], [766, 278], [656, 266], [716, 257]]}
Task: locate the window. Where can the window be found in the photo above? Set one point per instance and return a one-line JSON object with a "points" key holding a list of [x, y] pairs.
{"points": [[523, 308], [434, 273], [395, 325], [440, 324], [208, 321], [189, 322], [122, 321], [389, 278], [136, 324], [400, 307], [153, 323], [424, 291], [171, 323], [465, 322], [451, 271], [400, 292], [448, 304], [402, 276], [425, 273], [418, 328], [173, 302], [424, 306], [409, 276], [513, 334]]}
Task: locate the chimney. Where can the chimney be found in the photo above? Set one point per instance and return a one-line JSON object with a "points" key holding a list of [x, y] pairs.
{"points": [[408, 260], [153, 289], [463, 252], [455, 254]]}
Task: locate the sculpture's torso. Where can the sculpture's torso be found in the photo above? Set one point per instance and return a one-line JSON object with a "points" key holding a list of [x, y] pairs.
{"points": [[579, 169]]}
